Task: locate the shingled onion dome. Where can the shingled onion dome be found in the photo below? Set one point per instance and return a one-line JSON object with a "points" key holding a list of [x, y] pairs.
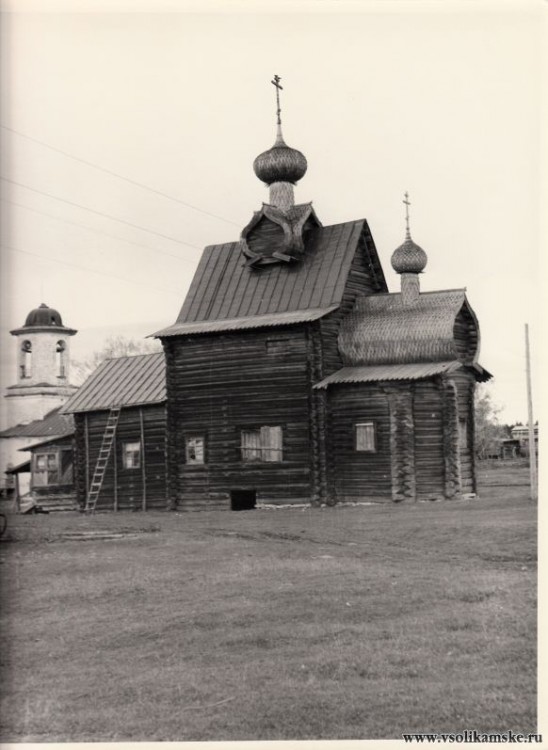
{"points": [[281, 163], [281, 166], [409, 260], [409, 257]]}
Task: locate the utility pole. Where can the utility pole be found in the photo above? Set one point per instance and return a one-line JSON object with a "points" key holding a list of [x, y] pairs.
{"points": [[532, 449]]}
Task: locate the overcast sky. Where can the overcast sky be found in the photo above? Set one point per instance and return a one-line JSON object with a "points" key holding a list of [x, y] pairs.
{"points": [[440, 99]]}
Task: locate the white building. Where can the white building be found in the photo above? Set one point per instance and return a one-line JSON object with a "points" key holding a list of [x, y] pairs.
{"points": [[42, 385]]}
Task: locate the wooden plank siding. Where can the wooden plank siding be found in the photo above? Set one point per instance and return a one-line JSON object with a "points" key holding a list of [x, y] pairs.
{"points": [[141, 488], [218, 385]]}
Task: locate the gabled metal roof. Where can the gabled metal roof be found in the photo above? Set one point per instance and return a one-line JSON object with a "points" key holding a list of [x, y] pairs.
{"points": [[54, 424], [225, 288], [124, 381], [49, 441], [22, 468]]}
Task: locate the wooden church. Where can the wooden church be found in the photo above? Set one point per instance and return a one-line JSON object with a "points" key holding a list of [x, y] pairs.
{"points": [[294, 376]]}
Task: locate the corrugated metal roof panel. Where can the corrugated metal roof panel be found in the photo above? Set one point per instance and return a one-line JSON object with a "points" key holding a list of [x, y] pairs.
{"points": [[125, 381], [388, 372], [237, 324]]}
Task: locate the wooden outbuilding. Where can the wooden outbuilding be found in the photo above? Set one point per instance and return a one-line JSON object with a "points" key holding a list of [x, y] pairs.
{"points": [[52, 476], [293, 376], [120, 435], [47, 477]]}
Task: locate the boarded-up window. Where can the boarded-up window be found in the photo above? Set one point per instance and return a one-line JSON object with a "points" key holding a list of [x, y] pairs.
{"points": [[278, 347], [262, 444], [46, 469], [195, 450], [131, 455], [365, 437], [463, 434]]}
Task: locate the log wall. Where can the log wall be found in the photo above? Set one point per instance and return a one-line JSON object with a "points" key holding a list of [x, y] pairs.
{"points": [[428, 415], [141, 488], [465, 385], [359, 475], [362, 281], [220, 384]]}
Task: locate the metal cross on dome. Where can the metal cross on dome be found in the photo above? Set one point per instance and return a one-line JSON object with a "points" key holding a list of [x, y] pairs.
{"points": [[276, 82], [407, 204]]}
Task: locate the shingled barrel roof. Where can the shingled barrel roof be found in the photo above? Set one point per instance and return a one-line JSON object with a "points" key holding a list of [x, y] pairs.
{"points": [[124, 381], [226, 294], [383, 339], [381, 330]]}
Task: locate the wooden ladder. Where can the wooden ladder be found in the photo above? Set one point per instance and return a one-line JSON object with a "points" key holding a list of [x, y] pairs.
{"points": [[102, 460]]}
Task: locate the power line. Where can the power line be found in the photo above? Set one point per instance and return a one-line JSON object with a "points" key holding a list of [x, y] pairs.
{"points": [[97, 231], [119, 176], [88, 270], [100, 213]]}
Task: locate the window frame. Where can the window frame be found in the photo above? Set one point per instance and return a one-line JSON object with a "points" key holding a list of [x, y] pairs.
{"points": [[370, 423], [187, 440], [47, 475], [261, 448], [126, 453]]}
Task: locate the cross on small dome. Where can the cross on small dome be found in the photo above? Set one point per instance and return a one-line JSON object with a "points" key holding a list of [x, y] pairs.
{"points": [[409, 257], [281, 163]]}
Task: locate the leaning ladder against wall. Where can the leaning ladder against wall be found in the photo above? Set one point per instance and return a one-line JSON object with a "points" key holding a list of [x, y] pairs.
{"points": [[94, 488]]}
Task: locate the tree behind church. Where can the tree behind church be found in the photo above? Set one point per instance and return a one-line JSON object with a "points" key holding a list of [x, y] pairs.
{"points": [[114, 346]]}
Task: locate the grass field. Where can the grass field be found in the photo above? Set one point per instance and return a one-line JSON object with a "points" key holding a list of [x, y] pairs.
{"points": [[354, 622]]}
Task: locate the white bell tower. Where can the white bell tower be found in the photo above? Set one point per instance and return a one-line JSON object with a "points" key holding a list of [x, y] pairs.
{"points": [[43, 366]]}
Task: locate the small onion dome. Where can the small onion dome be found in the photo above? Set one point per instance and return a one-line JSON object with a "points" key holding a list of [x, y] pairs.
{"points": [[409, 257], [280, 163], [43, 316]]}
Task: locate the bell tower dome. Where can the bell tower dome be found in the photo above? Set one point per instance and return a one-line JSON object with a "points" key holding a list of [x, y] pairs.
{"points": [[43, 366]]}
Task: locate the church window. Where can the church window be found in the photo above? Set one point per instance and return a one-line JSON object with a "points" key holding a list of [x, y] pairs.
{"points": [[195, 450], [26, 359], [131, 455], [366, 437], [262, 444], [60, 354]]}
